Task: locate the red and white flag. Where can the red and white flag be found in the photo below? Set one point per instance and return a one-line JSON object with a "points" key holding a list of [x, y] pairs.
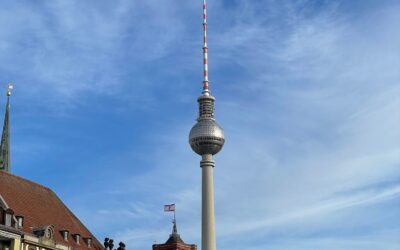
{"points": [[169, 208]]}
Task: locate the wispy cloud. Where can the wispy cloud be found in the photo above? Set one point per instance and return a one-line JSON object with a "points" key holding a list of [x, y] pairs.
{"points": [[311, 142], [307, 93], [65, 50]]}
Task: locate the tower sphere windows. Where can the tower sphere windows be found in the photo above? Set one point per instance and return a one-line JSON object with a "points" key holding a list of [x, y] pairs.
{"points": [[206, 137]]}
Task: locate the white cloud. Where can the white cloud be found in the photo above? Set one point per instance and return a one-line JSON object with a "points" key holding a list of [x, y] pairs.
{"points": [[318, 138], [311, 121]]}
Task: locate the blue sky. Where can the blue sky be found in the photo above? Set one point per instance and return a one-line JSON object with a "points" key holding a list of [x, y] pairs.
{"points": [[307, 92]]}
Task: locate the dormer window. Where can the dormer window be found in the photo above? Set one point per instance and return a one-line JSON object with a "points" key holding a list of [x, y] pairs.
{"points": [[20, 221], [88, 241], [77, 238], [8, 217], [64, 234]]}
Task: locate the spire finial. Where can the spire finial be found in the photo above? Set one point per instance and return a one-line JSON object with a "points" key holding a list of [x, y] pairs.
{"points": [[205, 49], [9, 89]]}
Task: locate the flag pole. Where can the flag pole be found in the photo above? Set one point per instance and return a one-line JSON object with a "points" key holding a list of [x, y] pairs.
{"points": [[174, 230], [171, 208]]}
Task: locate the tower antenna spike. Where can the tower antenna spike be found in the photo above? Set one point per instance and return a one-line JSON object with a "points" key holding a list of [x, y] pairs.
{"points": [[205, 50]]}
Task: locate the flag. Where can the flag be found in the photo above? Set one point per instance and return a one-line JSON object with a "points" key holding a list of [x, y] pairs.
{"points": [[169, 208]]}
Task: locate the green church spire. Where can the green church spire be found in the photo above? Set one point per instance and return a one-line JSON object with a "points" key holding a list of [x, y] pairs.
{"points": [[5, 163]]}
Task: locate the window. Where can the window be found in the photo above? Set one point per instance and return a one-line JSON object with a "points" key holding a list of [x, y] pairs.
{"points": [[20, 221], [89, 242], [65, 235], [77, 238], [8, 219]]}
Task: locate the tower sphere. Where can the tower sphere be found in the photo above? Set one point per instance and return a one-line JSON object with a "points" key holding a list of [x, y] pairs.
{"points": [[206, 137]]}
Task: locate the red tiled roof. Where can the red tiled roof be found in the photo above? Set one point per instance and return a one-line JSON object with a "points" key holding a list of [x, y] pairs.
{"points": [[41, 207]]}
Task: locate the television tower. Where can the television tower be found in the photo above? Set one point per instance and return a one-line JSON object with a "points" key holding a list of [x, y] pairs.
{"points": [[206, 139]]}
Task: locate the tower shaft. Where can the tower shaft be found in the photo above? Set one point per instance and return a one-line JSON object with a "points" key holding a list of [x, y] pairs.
{"points": [[5, 163], [207, 205]]}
